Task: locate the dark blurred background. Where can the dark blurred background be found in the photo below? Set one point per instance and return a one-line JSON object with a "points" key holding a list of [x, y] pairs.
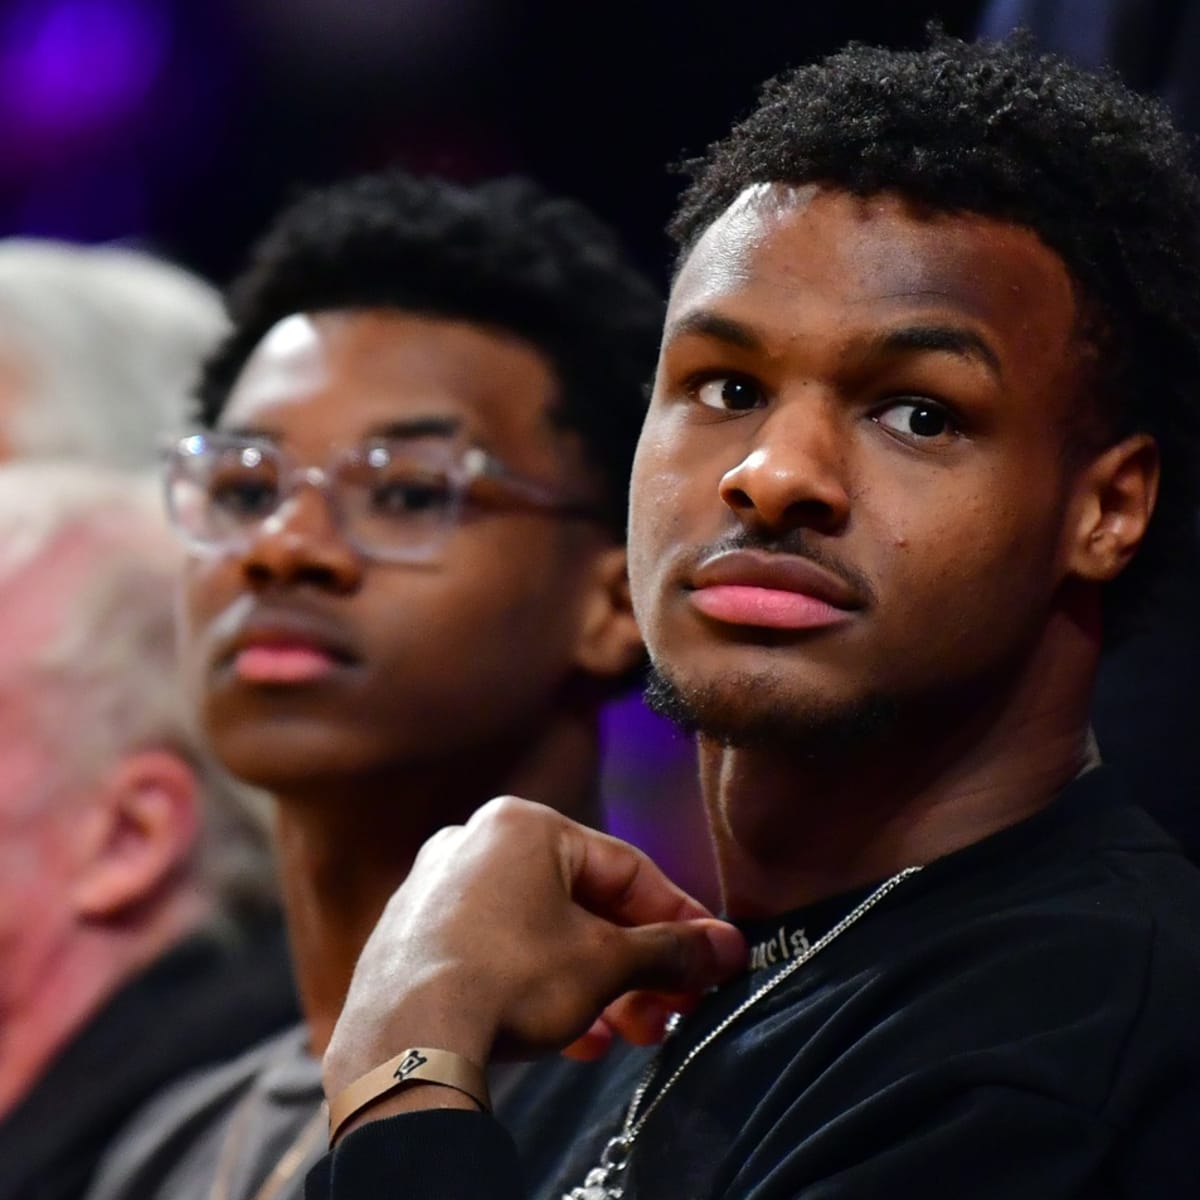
{"points": [[184, 124]]}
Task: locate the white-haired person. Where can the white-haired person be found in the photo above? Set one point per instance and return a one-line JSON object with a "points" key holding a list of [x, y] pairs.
{"points": [[133, 874], [99, 347]]}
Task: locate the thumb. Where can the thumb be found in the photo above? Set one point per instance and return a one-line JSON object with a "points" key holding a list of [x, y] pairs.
{"points": [[683, 956]]}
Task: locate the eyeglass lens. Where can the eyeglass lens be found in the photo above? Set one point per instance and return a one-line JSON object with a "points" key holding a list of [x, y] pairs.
{"points": [[388, 496]]}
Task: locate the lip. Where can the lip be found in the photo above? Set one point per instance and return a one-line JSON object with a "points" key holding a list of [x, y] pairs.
{"points": [[263, 634], [771, 590]]}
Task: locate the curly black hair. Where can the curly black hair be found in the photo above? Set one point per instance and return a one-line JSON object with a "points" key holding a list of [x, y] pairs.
{"points": [[503, 254], [1099, 173]]}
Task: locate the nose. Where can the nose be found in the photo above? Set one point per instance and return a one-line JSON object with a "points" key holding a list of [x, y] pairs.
{"points": [[300, 543], [794, 474]]}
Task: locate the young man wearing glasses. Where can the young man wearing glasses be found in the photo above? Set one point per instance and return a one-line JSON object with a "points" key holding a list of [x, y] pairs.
{"points": [[406, 585]]}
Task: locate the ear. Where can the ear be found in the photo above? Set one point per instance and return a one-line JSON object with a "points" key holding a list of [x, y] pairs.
{"points": [[146, 826], [1117, 495], [609, 642]]}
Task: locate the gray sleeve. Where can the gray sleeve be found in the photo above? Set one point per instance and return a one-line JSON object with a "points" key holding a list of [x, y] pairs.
{"points": [[173, 1128]]}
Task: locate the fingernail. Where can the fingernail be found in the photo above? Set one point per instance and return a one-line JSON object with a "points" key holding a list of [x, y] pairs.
{"points": [[728, 947]]}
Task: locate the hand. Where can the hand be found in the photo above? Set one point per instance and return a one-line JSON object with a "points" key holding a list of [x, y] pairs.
{"points": [[510, 937]]}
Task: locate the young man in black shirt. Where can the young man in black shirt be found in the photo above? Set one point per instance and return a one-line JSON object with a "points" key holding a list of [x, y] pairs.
{"points": [[928, 384]]}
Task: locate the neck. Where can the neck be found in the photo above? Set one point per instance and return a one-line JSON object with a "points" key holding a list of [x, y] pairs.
{"points": [[789, 831], [346, 845]]}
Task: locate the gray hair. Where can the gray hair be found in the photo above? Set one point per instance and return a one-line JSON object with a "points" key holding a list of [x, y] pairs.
{"points": [[112, 663], [104, 345]]}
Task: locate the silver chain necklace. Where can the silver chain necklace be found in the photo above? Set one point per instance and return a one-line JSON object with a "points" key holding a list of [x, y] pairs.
{"points": [[603, 1182]]}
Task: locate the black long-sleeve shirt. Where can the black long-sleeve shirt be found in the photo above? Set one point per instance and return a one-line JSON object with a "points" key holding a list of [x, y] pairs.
{"points": [[1022, 1018]]}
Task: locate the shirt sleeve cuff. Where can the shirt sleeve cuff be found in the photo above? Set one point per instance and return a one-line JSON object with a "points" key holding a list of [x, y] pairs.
{"points": [[447, 1154]]}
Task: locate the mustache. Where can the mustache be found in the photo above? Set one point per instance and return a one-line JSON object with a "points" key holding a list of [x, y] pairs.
{"points": [[796, 543]]}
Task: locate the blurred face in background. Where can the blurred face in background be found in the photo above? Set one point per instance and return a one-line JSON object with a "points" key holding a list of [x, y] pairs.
{"points": [[40, 828], [311, 660]]}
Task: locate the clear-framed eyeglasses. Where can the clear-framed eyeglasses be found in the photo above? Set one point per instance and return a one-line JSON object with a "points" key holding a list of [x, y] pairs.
{"points": [[394, 499]]}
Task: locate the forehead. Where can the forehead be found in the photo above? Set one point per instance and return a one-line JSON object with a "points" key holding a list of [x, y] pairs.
{"points": [[332, 378], [817, 263]]}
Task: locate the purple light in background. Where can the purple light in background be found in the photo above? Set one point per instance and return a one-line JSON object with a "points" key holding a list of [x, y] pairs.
{"points": [[88, 205], [70, 66], [652, 797], [107, 107]]}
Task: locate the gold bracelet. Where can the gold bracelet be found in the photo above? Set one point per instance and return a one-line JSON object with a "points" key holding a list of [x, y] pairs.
{"points": [[418, 1064]]}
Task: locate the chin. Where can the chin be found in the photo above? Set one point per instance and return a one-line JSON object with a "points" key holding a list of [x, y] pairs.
{"points": [[753, 711], [293, 756]]}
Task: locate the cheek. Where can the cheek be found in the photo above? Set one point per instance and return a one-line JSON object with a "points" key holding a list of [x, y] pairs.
{"points": [[206, 586], [981, 566], [494, 614], [35, 910], [35, 863], [27, 772], [662, 495], [205, 589]]}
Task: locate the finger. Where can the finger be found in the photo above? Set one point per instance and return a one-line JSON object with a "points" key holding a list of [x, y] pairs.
{"points": [[641, 1017], [595, 1043], [620, 883], [681, 956]]}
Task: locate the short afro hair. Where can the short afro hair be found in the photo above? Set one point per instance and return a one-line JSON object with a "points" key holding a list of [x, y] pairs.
{"points": [[1099, 173], [503, 254]]}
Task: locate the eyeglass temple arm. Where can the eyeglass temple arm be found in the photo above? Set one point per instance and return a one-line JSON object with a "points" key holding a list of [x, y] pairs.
{"points": [[479, 464]]}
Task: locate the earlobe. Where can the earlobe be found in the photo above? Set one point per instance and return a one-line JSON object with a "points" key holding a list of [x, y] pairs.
{"points": [[1121, 487], [146, 831], [610, 645]]}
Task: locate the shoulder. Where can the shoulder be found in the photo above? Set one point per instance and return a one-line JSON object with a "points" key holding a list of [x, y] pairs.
{"points": [[995, 1011], [1067, 965]]}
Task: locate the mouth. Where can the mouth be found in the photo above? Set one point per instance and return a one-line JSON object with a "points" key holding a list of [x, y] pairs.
{"points": [[771, 590], [281, 649], [284, 662]]}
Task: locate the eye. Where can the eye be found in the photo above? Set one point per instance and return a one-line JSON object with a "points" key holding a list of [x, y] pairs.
{"points": [[918, 421], [404, 497], [729, 393], [243, 494]]}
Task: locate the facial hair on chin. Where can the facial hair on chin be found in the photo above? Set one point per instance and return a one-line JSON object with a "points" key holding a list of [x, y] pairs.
{"points": [[742, 712]]}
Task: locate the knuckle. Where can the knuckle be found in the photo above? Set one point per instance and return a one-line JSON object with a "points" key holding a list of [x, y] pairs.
{"points": [[515, 817], [435, 846], [502, 810], [437, 843]]}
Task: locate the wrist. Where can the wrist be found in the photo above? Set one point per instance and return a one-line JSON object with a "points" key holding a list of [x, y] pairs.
{"points": [[442, 1012], [422, 1069]]}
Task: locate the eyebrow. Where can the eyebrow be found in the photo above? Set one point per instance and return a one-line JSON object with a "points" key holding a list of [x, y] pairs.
{"points": [[704, 323], [943, 339], [964, 343], [413, 427], [417, 427]]}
